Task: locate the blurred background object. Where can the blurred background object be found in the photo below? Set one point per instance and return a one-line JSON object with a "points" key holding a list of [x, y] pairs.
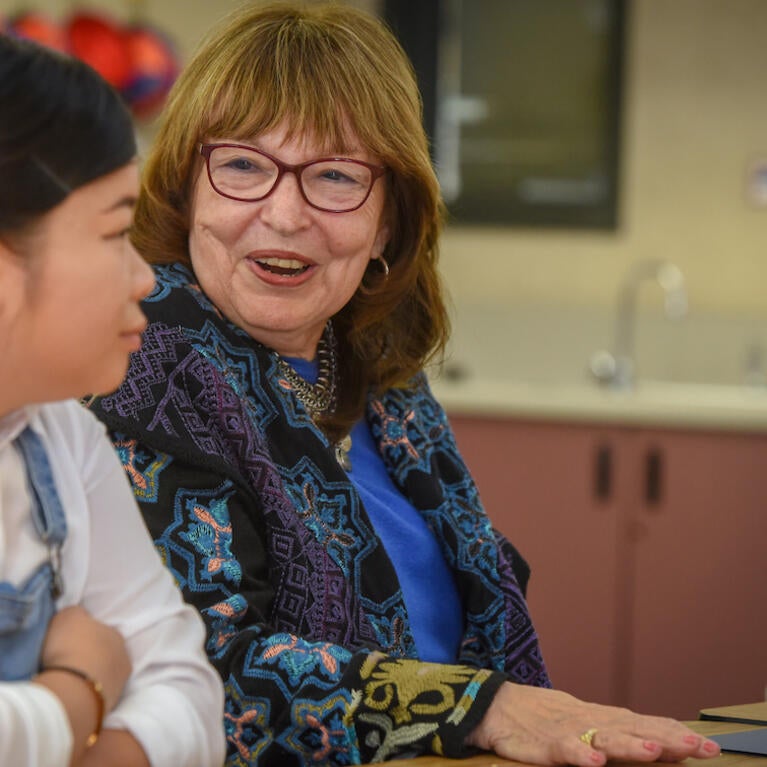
{"points": [[136, 57]]}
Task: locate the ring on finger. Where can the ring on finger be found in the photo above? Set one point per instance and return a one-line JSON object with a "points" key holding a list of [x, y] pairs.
{"points": [[588, 736]]}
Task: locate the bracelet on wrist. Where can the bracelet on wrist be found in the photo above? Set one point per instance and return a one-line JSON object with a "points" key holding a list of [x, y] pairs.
{"points": [[98, 694]]}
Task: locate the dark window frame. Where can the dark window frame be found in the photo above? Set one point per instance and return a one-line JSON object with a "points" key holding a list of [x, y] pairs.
{"points": [[418, 26]]}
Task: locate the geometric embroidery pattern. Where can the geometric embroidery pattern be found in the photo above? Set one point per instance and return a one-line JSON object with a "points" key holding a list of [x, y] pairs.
{"points": [[267, 537], [142, 470]]}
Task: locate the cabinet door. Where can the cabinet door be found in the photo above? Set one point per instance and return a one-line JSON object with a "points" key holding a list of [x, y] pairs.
{"points": [[699, 628], [552, 490]]}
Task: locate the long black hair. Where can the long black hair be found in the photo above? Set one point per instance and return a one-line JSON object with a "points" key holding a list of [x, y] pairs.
{"points": [[61, 126]]}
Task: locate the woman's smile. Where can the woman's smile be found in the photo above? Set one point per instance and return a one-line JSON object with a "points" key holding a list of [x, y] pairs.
{"points": [[281, 267]]}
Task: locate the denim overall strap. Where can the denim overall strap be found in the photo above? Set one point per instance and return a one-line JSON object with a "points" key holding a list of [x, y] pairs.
{"points": [[47, 511], [26, 609]]}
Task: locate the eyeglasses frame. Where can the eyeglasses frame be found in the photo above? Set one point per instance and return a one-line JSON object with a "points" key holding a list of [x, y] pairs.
{"points": [[207, 149]]}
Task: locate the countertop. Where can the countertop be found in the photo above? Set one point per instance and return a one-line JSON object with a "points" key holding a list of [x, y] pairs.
{"points": [[649, 403]]}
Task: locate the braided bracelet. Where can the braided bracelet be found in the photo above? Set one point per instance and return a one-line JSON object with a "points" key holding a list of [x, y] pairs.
{"points": [[98, 694]]}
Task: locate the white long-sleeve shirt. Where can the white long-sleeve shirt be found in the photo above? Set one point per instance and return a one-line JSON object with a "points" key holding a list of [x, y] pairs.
{"points": [[173, 702]]}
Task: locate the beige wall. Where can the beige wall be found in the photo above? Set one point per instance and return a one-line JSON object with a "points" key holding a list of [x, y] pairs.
{"points": [[696, 116]]}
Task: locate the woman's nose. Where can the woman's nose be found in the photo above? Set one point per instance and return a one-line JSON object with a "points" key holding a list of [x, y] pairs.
{"points": [[142, 275], [285, 208]]}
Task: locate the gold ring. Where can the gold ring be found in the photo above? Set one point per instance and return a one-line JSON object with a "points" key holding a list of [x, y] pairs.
{"points": [[588, 736]]}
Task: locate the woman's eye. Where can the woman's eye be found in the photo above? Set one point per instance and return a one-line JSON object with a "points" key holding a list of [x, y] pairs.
{"points": [[338, 176], [122, 234], [241, 164]]}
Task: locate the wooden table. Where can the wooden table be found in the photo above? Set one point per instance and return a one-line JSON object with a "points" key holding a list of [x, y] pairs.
{"points": [[704, 728]]}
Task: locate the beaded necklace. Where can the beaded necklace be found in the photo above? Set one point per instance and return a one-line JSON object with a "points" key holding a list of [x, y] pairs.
{"points": [[319, 398]]}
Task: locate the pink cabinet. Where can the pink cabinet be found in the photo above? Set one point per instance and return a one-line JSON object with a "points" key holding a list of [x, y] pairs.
{"points": [[649, 555]]}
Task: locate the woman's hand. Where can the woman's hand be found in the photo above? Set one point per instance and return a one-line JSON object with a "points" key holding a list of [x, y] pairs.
{"points": [[76, 639], [542, 726]]}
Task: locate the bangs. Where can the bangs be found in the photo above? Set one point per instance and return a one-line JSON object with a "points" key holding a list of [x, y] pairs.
{"points": [[301, 79]]}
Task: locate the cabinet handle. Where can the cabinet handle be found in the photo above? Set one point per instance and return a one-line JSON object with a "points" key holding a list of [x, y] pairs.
{"points": [[603, 475], [653, 476]]}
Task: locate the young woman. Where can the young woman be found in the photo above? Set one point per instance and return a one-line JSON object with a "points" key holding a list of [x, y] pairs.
{"points": [[101, 663]]}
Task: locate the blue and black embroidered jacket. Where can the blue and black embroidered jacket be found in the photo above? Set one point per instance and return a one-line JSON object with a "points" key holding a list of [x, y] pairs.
{"points": [[267, 537]]}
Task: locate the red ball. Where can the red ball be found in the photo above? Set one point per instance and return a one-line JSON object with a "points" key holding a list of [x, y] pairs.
{"points": [[37, 27], [154, 67], [102, 44]]}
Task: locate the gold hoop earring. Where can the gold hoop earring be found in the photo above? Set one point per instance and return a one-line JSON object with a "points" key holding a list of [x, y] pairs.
{"points": [[369, 291], [385, 266]]}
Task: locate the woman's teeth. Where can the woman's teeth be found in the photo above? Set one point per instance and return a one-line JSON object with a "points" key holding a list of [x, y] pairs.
{"points": [[284, 266]]}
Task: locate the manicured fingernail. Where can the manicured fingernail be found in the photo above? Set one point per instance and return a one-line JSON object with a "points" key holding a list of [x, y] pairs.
{"points": [[710, 746], [693, 740], [597, 757], [650, 746]]}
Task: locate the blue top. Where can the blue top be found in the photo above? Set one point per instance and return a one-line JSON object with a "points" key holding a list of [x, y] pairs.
{"points": [[433, 604]]}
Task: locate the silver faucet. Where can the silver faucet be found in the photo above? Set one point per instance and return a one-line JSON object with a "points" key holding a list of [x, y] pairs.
{"points": [[616, 368]]}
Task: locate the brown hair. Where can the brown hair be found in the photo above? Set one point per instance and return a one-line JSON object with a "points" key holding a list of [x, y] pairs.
{"points": [[323, 69]]}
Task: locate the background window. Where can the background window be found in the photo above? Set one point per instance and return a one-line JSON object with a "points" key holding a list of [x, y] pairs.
{"points": [[522, 104]]}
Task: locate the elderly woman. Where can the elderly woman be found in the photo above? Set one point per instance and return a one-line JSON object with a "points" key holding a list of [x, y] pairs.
{"points": [[297, 475]]}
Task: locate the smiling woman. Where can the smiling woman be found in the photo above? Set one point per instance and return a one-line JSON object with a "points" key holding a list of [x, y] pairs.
{"points": [[298, 476], [99, 664]]}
